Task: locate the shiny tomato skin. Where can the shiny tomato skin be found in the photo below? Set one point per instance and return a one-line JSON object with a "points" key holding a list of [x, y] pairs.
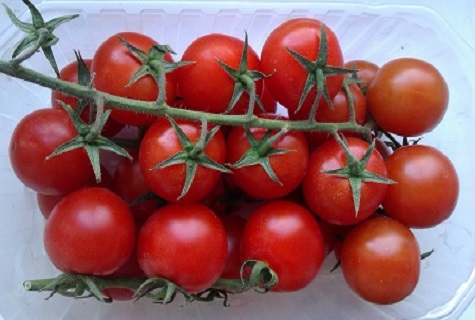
{"points": [[90, 231], [113, 66], [287, 237], [184, 243], [234, 226], [365, 70], [427, 186], [35, 137], [204, 85], [70, 73], [289, 167], [408, 97], [160, 143], [380, 260], [287, 82], [330, 197]]}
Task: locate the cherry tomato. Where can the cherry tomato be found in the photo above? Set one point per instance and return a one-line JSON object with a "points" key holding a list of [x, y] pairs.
{"points": [[90, 231], [302, 35], [70, 73], [234, 226], [427, 186], [380, 260], [287, 237], [160, 143], [330, 197], [365, 71], [35, 137], [289, 167], [184, 243], [408, 97], [113, 66], [213, 93]]}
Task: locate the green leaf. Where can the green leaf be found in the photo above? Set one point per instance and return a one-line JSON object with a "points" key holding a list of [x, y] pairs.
{"points": [[48, 52], [36, 16], [23, 26], [28, 41]]}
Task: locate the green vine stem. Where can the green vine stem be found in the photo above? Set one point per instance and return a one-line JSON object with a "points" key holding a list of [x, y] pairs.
{"points": [[17, 71]]}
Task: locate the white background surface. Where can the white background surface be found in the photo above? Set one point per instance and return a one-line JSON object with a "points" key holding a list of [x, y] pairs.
{"points": [[460, 14]]}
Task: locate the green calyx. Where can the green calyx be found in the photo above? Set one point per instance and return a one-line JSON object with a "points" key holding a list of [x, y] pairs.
{"points": [[244, 81], [261, 151], [39, 35], [154, 64], [192, 155], [318, 72], [355, 171]]}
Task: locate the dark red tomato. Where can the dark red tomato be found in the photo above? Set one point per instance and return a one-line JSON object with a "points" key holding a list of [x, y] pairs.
{"points": [[90, 231], [366, 70], [46, 202], [408, 97], [380, 260], [333, 236], [302, 35], [113, 66], [329, 196], [35, 137], [427, 186], [287, 237], [160, 143], [70, 73], [204, 85], [184, 243], [339, 112], [129, 184], [289, 167], [268, 102], [234, 226]]}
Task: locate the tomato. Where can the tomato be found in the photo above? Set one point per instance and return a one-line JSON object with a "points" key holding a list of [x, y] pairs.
{"points": [[47, 202], [268, 102], [380, 260], [339, 112], [330, 197], [205, 85], [365, 70], [184, 243], [113, 66], [234, 226], [408, 97], [289, 167], [287, 237], [427, 186], [70, 73], [160, 143], [35, 137], [302, 35], [130, 184], [90, 231]]}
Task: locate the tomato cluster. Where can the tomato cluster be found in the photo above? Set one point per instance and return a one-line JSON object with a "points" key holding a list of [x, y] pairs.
{"points": [[197, 201]]}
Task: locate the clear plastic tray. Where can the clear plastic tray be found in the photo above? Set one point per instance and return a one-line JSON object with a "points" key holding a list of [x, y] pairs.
{"points": [[368, 31]]}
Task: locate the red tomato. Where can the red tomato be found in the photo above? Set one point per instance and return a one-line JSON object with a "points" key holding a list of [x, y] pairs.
{"points": [[90, 231], [130, 184], [113, 66], [268, 102], [407, 97], [204, 85], [365, 70], [330, 197], [339, 112], [302, 35], [46, 202], [287, 237], [289, 167], [234, 226], [427, 186], [35, 137], [160, 143], [70, 73], [380, 260], [184, 243]]}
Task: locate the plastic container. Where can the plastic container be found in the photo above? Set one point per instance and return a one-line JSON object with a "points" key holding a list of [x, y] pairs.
{"points": [[366, 30]]}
